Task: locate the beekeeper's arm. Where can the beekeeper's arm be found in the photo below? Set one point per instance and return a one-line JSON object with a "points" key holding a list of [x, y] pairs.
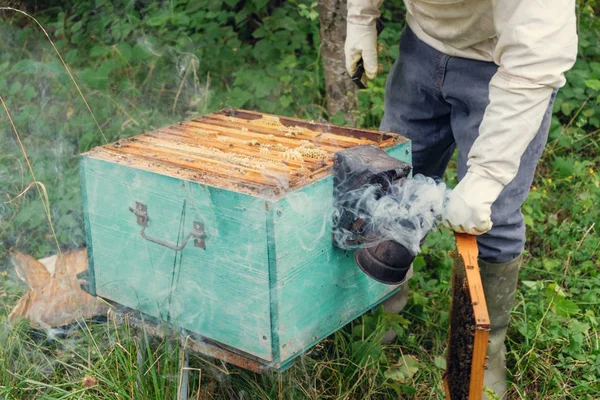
{"points": [[361, 36], [537, 43]]}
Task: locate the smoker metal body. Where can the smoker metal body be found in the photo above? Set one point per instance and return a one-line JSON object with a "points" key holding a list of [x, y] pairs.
{"points": [[359, 170], [212, 227]]}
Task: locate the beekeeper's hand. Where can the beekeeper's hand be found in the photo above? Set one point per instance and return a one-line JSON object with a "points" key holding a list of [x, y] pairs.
{"points": [[361, 42], [469, 205]]}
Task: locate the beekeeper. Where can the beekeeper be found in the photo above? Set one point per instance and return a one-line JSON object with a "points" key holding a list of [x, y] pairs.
{"points": [[480, 75]]}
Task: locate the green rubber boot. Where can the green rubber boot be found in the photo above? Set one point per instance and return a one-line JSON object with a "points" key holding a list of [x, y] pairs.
{"points": [[499, 285]]}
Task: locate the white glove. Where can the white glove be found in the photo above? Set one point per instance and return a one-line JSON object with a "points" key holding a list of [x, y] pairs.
{"points": [[469, 205], [361, 42]]}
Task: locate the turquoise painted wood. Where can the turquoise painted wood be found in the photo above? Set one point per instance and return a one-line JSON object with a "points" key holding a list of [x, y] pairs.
{"points": [[269, 283], [221, 292], [318, 288]]}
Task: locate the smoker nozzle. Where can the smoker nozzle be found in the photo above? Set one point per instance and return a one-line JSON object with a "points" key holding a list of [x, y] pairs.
{"points": [[387, 262]]}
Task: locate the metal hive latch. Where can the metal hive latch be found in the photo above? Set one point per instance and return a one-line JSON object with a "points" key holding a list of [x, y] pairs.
{"points": [[141, 212]]}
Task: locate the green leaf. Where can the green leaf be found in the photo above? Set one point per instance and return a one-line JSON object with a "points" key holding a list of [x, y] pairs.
{"points": [[26, 66], [265, 86], [97, 78], [365, 352], [419, 299], [286, 100], [238, 98], [260, 4], [29, 92], [491, 395], [260, 32], [565, 307], [77, 26], [564, 165], [566, 108], [588, 112], [398, 329], [409, 390], [14, 88], [419, 262], [440, 362], [142, 51], [576, 326], [533, 285], [551, 264], [125, 51], [408, 367], [193, 6], [180, 19], [99, 51], [553, 290], [158, 19], [593, 84]]}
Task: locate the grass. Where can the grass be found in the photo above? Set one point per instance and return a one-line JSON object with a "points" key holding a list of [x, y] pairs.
{"points": [[551, 362], [36, 366], [142, 68]]}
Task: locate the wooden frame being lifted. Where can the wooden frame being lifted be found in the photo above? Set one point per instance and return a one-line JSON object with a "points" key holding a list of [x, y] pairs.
{"points": [[469, 325]]}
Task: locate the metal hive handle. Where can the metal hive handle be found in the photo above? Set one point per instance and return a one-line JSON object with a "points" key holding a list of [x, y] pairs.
{"points": [[141, 212]]}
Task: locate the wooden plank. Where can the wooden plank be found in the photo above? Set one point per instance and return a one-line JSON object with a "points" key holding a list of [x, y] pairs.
{"points": [[311, 177], [88, 232], [273, 281], [213, 179], [215, 292], [231, 174], [173, 154], [377, 136], [468, 250], [326, 140], [323, 137], [478, 364], [184, 150], [234, 145], [322, 142]]}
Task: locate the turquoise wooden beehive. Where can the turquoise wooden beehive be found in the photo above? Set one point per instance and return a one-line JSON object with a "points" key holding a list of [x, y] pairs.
{"points": [[221, 226]]}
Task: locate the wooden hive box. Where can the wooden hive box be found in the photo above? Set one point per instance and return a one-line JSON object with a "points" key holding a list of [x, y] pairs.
{"points": [[221, 225]]}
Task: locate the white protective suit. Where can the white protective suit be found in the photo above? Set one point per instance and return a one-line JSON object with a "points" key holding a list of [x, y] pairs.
{"points": [[532, 41]]}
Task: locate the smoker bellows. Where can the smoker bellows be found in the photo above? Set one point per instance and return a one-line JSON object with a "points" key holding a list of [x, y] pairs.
{"points": [[221, 226]]}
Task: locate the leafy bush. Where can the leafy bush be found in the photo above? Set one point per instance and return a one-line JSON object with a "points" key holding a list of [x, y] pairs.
{"points": [[140, 65]]}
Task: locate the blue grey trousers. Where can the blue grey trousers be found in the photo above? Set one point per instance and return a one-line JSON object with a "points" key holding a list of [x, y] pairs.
{"points": [[438, 102]]}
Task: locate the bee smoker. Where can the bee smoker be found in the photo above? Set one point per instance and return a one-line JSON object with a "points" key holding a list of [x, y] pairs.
{"points": [[356, 170]]}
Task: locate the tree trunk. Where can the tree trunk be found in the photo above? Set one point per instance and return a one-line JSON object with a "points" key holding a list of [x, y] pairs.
{"points": [[340, 90]]}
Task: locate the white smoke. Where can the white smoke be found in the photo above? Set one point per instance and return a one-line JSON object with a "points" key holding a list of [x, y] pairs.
{"points": [[405, 214]]}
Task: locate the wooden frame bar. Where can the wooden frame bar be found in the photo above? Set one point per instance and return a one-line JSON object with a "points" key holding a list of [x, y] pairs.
{"points": [[467, 266]]}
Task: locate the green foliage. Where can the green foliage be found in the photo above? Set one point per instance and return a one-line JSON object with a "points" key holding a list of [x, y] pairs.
{"points": [[145, 64], [140, 66]]}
